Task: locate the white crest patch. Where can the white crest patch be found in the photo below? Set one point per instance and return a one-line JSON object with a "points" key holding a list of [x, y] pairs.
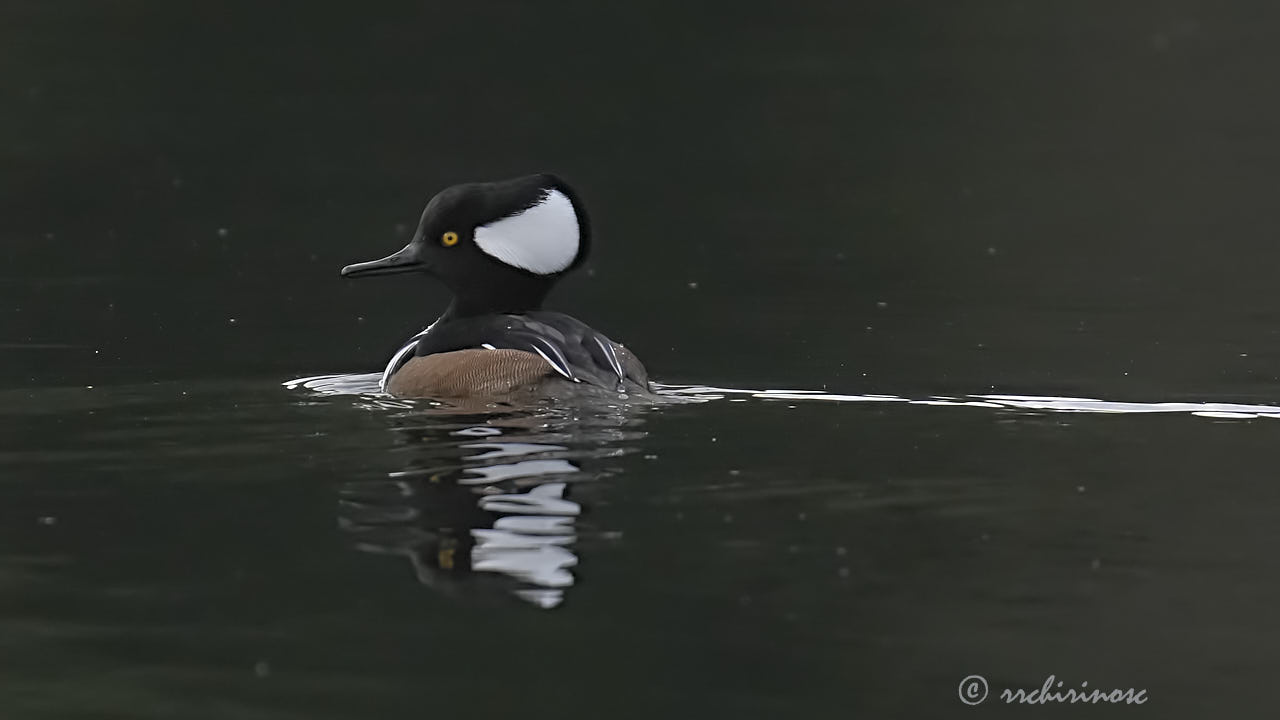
{"points": [[543, 239]]}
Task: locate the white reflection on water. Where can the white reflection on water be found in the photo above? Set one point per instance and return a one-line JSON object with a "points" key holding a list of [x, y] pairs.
{"points": [[367, 384], [531, 542], [527, 535]]}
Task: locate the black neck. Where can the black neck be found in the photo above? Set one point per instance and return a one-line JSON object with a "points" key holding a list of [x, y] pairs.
{"points": [[512, 301]]}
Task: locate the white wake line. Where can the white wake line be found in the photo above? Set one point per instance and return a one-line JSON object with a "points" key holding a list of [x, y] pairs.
{"points": [[1233, 411], [367, 384]]}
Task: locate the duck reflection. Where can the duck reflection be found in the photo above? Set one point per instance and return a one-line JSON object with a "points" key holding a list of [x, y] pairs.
{"points": [[486, 501]]}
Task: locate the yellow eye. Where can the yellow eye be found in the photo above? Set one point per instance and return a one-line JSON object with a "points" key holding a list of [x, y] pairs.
{"points": [[449, 239]]}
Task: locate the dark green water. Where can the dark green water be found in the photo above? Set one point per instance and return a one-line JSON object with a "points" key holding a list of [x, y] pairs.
{"points": [[889, 202]]}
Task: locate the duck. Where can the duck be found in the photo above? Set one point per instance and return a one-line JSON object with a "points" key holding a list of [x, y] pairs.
{"points": [[499, 248]]}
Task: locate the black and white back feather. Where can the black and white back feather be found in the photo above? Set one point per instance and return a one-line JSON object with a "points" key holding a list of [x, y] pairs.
{"points": [[571, 347]]}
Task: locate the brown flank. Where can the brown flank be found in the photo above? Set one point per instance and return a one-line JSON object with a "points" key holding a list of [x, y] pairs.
{"points": [[469, 373]]}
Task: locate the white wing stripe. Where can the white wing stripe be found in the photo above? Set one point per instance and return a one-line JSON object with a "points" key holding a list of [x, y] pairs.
{"points": [[607, 347], [398, 359]]}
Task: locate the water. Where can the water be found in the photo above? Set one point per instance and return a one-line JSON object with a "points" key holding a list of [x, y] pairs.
{"points": [[346, 554], [972, 308]]}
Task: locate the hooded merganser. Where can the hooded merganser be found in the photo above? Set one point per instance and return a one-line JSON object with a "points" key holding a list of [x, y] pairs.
{"points": [[499, 247]]}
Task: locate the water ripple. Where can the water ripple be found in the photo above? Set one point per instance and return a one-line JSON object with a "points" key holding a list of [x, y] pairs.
{"points": [[1038, 403]]}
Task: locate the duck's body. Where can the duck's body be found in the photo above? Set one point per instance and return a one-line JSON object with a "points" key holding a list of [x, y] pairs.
{"points": [[500, 247]]}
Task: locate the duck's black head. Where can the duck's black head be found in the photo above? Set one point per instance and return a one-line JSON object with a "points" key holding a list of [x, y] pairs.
{"points": [[498, 246]]}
